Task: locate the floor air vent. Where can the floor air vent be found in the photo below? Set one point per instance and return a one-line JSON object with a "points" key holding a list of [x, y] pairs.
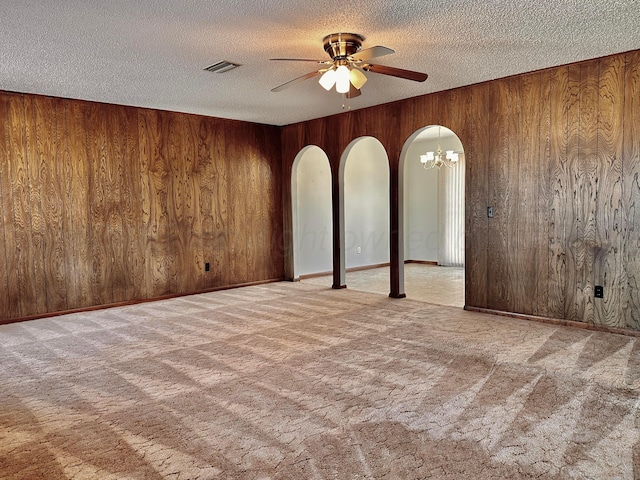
{"points": [[221, 67]]}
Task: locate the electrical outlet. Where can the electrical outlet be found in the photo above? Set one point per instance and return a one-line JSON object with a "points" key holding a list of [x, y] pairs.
{"points": [[490, 212], [207, 267], [358, 250], [598, 291]]}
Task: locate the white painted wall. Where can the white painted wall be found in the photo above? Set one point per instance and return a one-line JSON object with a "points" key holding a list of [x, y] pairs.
{"points": [[420, 205], [311, 186], [366, 204]]}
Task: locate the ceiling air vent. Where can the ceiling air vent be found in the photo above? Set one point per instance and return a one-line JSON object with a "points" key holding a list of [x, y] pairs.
{"points": [[221, 67]]}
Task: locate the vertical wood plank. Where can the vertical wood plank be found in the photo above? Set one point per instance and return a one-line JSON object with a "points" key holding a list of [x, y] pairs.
{"points": [[207, 173], [131, 198], [19, 174], [477, 155], [560, 198], [631, 190], [8, 284], [250, 158], [195, 151], [78, 219], [589, 97], [159, 255], [499, 293], [608, 259], [541, 307], [261, 182], [49, 155], [116, 248], [35, 201], [102, 288], [66, 198], [273, 209], [222, 237], [530, 206], [237, 214], [512, 213], [574, 307], [180, 232]]}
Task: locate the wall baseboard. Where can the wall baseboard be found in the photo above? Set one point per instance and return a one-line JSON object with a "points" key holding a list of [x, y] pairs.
{"points": [[352, 269], [357, 269], [556, 321], [134, 302], [421, 262]]}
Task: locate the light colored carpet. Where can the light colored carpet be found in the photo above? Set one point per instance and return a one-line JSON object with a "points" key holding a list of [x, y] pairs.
{"points": [[426, 283], [291, 380]]}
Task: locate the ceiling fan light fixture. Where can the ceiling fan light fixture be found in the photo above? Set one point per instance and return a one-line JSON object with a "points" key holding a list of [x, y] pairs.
{"points": [[328, 79], [343, 79], [358, 79], [345, 69]]}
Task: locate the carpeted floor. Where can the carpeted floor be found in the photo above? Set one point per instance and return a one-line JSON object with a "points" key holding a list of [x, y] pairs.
{"points": [[298, 381]]}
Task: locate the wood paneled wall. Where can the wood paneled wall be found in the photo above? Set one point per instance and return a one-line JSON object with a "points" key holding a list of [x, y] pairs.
{"points": [[556, 152], [103, 204]]}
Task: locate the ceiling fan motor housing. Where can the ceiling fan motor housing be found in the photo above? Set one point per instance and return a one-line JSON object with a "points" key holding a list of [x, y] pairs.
{"points": [[342, 45]]}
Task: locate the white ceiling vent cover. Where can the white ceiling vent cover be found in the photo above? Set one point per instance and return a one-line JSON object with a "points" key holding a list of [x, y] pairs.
{"points": [[221, 67]]}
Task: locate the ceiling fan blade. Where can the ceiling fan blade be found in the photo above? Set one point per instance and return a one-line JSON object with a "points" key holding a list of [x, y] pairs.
{"points": [[296, 80], [396, 72], [373, 52], [353, 92]]}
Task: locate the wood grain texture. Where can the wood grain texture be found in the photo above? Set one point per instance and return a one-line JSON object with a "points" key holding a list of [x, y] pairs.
{"points": [[512, 204], [542, 228], [221, 249], [103, 204], [196, 156], [499, 195], [609, 270], [588, 188], [115, 246], [37, 222], [22, 248], [99, 215], [530, 204], [8, 302], [78, 224], [559, 181], [475, 135], [133, 233], [631, 193], [574, 228], [176, 192]]}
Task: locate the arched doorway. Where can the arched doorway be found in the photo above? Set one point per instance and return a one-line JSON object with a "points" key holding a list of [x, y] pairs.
{"points": [[311, 213], [431, 219], [364, 210]]}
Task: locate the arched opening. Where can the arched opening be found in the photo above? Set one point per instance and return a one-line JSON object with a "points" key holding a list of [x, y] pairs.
{"points": [[431, 219], [364, 213], [311, 213]]}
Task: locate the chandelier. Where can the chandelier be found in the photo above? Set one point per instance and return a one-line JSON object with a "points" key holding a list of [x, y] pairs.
{"points": [[438, 158]]}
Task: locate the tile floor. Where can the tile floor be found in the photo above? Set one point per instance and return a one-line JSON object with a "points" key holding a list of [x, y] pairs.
{"points": [[426, 283]]}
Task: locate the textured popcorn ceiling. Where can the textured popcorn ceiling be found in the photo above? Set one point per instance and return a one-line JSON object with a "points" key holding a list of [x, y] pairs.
{"points": [[151, 53]]}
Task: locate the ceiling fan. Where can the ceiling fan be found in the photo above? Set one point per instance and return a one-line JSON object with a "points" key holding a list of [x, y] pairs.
{"points": [[348, 61]]}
